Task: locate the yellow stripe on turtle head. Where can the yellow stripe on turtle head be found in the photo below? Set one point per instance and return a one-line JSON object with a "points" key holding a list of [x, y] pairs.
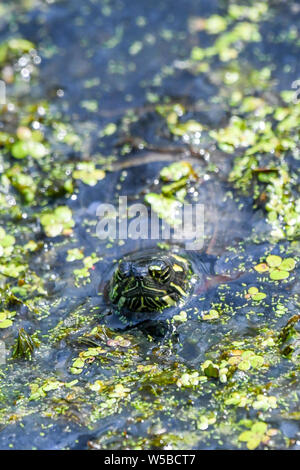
{"points": [[168, 300], [177, 268], [178, 288]]}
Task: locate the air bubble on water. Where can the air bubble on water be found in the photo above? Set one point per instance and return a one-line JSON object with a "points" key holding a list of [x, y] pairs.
{"points": [[25, 73], [37, 60], [36, 125], [23, 61]]}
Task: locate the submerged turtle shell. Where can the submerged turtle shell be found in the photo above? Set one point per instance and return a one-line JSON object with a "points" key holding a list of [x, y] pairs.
{"points": [[150, 281]]}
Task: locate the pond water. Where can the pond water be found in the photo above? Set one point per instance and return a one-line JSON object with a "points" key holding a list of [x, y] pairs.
{"points": [[101, 96]]}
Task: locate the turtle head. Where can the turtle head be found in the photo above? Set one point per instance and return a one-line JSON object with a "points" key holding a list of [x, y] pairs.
{"points": [[148, 282]]}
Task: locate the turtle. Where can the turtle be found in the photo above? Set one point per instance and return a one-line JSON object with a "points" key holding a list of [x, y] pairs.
{"points": [[150, 281], [145, 283], [148, 287]]}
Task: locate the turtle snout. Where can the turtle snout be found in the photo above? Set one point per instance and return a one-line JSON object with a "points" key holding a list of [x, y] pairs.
{"points": [[138, 274]]}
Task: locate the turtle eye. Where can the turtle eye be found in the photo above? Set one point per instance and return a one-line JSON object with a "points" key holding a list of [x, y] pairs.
{"points": [[160, 273], [123, 269]]}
